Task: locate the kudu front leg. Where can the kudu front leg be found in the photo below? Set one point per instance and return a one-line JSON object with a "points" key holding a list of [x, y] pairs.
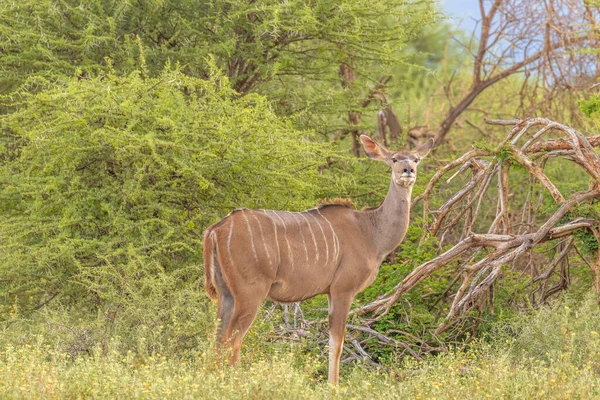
{"points": [[339, 306]]}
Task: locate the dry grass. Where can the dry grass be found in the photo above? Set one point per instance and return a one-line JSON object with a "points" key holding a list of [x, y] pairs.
{"points": [[552, 353]]}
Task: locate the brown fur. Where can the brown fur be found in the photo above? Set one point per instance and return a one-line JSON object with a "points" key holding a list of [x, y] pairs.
{"points": [[338, 201]]}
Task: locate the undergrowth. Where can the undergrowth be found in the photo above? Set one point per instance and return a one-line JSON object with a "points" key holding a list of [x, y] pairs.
{"points": [[547, 353]]}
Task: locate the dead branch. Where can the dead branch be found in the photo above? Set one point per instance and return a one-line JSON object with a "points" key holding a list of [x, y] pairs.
{"points": [[561, 144], [544, 41], [504, 241], [387, 119], [537, 172]]}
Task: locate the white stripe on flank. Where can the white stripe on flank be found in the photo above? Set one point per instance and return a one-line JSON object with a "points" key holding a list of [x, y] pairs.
{"points": [[324, 238], [262, 236], [229, 237], [301, 234], [213, 241], [251, 235], [311, 234], [275, 227], [336, 242], [286, 238]]}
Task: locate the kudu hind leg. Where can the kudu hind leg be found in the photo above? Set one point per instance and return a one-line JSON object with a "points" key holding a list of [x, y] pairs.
{"points": [[225, 306], [339, 306], [224, 315], [236, 309], [245, 310]]}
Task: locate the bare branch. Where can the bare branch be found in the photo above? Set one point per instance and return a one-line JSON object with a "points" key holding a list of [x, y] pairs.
{"points": [[506, 243], [541, 40]]}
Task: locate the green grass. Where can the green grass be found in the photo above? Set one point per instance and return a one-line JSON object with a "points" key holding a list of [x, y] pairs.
{"points": [[549, 353]]}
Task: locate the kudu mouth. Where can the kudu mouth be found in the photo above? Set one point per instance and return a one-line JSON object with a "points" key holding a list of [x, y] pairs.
{"points": [[405, 180]]}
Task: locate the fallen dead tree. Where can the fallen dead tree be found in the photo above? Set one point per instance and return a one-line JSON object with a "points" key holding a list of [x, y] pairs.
{"points": [[483, 255], [482, 246]]}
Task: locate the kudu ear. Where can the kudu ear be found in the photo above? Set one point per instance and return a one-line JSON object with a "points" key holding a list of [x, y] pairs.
{"points": [[423, 149], [374, 150]]}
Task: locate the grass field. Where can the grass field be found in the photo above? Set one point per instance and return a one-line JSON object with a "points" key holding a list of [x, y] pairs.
{"points": [[549, 353]]}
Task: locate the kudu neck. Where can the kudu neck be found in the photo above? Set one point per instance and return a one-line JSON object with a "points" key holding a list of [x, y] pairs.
{"points": [[391, 218]]}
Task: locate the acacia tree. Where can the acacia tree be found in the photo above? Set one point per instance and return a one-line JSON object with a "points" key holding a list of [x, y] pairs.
{"points": [[288, 51], [104, 199]]}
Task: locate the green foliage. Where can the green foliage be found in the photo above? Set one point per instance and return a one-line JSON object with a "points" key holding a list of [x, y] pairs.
{"points": [[288, 51], [416, 312], [569, 328], [104, 203], [584, 238], [590, 107]]}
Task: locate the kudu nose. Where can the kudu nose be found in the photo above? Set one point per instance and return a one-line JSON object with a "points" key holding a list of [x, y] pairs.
{"points": [[407, 170]]}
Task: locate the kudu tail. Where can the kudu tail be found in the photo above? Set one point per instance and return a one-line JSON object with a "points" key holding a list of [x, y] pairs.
{"points": [[209, 259]]}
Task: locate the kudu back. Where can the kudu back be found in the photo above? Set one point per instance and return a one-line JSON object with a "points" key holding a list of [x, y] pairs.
{"points": [[251, 255]]}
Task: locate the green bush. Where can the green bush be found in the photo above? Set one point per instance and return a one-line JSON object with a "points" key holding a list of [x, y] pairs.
{"points": [[110, 181]]}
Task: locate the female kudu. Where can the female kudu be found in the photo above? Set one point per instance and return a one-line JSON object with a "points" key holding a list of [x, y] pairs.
{"points": [[291, 256]]}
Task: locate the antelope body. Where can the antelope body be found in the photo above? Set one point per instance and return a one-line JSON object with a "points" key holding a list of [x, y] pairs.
{"points": [[251, 255]]}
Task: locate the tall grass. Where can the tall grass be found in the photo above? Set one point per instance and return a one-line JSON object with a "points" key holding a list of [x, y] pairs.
{"points": [[549, 353]]}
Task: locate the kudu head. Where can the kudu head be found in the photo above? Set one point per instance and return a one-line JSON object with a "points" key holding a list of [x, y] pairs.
{"points": [[403, 163]]}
